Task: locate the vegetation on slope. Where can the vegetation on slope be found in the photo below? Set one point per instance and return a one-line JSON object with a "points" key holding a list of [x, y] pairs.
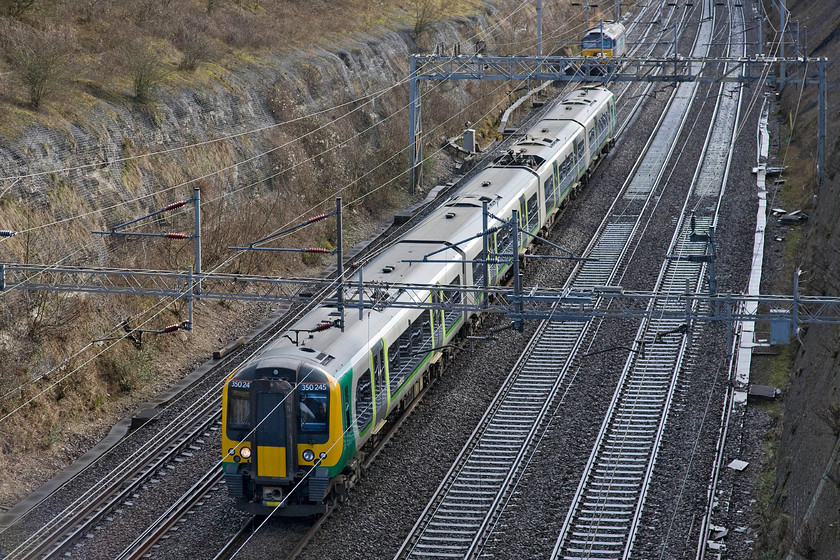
{"points": [[96, 64], [61, 51]]}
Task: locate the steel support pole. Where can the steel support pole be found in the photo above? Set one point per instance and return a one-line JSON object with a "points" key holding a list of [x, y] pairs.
{"points": [[601, 31], [821, 117], [783, 28], [712, 273], [415, 150], [339, 257], [539, 27], [805, 41], [361, 294], [794, 310], [197, 236], [676, 34], [190, 301], [485, 266]]}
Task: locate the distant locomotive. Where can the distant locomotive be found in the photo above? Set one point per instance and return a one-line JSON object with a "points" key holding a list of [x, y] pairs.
{"points": [[296, 417], [607, 40]]}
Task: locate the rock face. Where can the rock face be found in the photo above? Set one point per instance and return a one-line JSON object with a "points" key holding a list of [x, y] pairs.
{"points": [[806, 497], [265, 140], [104, 164]]}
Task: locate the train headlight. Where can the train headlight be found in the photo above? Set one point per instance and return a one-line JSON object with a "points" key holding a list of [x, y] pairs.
{"points": [[245, 452], [308, 455]]}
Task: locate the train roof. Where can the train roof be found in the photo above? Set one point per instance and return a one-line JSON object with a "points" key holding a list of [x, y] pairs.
{"points": [[542, 142], [457, 218], [580, 104], [331, 349], [611, 29]]}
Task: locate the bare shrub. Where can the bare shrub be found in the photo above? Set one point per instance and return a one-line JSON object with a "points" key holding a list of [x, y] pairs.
{"points": [[17, 8], [52, 314], [92, 9], [146, 68], [152, 11], [39, 59], [424, 14], [192, 40], [805, 542], [241, 29], [830, 416], [126, 368]]}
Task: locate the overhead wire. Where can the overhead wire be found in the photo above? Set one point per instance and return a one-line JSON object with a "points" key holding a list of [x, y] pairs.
{"points": [[72, 371], [369, 98], [174, 149]]}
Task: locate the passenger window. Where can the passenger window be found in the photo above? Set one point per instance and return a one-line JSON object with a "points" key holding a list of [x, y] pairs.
{"points": [[533, 214], [548, 191]]}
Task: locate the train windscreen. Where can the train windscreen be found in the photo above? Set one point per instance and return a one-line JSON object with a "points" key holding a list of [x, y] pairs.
{"points": [[593, 41], [314, 412], [238, 414], [313, 392]]}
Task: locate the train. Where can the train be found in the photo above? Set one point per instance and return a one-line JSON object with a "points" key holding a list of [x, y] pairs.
{"points": [[297, 417], [607, 40]]}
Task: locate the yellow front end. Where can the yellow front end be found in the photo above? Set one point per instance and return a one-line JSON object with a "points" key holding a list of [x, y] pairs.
{"points": [[606, 53], [234, 452], [327, 452]]}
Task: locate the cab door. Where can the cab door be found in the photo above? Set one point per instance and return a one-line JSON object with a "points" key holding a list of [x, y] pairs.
{"points": [[274, 440]]}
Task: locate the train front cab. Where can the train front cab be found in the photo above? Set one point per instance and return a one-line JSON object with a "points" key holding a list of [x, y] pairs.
{"points": [[604, 41], [271, 463]]}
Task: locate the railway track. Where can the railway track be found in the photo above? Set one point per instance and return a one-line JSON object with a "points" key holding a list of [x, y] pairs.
{"points": [[95, 504], [608, 504], [82, 525], [458, 520], [91, 507], [148, 539]]}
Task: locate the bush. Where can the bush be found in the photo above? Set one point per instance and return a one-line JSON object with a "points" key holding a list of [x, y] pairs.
{"points": [[424, 13], [145, 67], [127, 369], [16, 8], [192, 41], [39, 59]]}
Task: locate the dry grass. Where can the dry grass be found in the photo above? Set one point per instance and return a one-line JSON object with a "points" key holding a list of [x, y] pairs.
{"points": [[98, 34], [40, 332]]}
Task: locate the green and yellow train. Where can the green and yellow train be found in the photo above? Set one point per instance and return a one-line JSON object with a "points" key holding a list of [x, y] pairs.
{"points": [[297, 417]]}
